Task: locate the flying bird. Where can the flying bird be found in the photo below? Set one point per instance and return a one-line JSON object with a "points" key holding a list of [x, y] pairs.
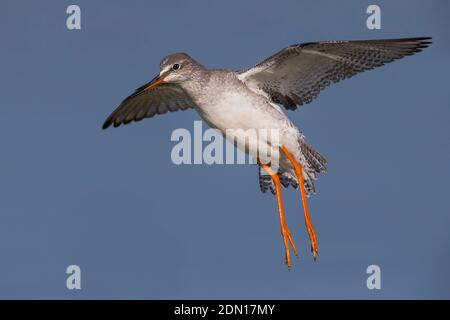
{"points": [[251, 99]]}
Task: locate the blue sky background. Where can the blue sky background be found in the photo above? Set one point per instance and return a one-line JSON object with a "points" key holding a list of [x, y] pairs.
{"points": [[140, 227]]}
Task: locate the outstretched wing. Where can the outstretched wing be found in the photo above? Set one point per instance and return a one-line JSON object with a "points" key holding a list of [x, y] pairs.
{"points": [[295, 75], [145, 103]]}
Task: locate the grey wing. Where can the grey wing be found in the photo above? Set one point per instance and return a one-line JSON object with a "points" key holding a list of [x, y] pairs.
{"points": [[145, 103], [295, 75]]}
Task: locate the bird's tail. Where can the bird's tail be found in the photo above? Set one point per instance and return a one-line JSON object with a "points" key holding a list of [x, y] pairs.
{"points": [[312, 163]]}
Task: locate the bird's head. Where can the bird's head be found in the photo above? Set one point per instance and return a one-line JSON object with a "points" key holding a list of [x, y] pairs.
{"points": [[175, 68]]}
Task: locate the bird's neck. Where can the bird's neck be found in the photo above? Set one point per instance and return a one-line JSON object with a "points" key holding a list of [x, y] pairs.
{"points": [[195, 86]]}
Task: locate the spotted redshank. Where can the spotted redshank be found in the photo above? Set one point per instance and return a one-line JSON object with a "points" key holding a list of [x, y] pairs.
{"points": [[251, 99]]}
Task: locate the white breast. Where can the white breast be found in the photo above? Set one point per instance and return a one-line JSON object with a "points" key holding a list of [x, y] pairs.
{"points": [[234, 110]]}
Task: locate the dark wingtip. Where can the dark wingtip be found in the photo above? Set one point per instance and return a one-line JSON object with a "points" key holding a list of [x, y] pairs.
{"points": [[420, 38], [106, 124], [424, 40]]}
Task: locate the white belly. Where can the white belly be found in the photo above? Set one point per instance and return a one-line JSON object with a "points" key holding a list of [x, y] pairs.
{"points": [[255, 129]]}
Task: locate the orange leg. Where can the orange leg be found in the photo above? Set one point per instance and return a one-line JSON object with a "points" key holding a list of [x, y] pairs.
{"points": [[299, 173], [287, 238]]}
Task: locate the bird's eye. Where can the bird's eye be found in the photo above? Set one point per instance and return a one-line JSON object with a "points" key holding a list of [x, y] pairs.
{"points": [[176, 66]]}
